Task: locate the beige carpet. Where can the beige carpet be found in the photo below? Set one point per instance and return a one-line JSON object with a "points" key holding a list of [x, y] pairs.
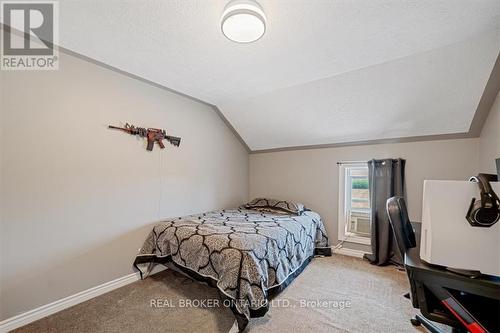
{"points": [[375, 295]]}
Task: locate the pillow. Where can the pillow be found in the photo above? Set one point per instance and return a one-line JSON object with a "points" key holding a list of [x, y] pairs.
{"points": [[273, 211], [280, 205]]}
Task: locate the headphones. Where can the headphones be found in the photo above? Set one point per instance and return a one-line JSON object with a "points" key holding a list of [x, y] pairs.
{"points": [[484, 212]]}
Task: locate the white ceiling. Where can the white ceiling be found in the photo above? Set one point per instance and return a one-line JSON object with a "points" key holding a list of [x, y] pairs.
{"points": [[324, 72]]}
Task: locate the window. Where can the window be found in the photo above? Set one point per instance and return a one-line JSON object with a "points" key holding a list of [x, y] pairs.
{"points": [[354, 203]]}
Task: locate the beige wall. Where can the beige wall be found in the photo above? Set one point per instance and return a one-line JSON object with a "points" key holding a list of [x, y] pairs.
{"points": [[311, 176], [489, 142], [78, 199]]}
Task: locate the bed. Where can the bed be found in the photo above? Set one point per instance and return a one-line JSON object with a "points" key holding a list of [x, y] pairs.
{"points": [[249, 253]]}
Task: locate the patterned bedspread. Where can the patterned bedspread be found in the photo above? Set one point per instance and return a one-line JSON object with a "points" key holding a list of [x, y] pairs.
{"points": [[245, 252]]}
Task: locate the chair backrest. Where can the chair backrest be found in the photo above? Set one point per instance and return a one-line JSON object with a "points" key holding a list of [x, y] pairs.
{"points": [[403, 230]]}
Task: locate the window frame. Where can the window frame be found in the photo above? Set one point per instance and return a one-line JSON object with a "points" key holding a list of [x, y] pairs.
{"points": [[343, 216]]}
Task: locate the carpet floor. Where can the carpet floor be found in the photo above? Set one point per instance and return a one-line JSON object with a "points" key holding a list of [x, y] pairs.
{"points": [[333, 294]]}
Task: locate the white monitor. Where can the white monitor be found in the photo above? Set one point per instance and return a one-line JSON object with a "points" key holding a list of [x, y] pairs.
{"points": [[447, 237]]}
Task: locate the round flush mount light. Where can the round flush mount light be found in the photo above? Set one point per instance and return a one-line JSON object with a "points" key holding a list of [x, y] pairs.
{"points": [[243, 21]]}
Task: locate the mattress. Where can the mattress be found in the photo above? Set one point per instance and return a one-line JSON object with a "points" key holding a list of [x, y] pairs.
{"points": [[247, 254]]}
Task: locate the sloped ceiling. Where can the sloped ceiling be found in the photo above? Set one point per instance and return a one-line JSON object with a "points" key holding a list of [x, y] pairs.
{"points": [[325, 72]]}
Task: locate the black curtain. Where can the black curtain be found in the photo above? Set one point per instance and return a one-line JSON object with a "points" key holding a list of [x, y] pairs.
{"points": [[386, 179]]}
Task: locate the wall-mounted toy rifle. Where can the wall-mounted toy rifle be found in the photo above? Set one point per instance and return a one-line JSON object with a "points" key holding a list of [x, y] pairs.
{"points": [[151, 134]]}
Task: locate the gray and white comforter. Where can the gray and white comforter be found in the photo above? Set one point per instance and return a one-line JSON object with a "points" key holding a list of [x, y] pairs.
{"points": [[245, 252]]}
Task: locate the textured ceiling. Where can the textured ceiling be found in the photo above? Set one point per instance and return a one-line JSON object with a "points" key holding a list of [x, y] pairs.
{"points": [[324, 72]]}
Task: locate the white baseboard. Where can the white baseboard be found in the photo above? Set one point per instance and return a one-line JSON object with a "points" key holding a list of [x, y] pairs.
{"points": [[25, 318], [349, 252]]}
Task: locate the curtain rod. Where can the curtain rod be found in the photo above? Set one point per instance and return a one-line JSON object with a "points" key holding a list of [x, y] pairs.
{"points": [[376, 160], [350, 162]]}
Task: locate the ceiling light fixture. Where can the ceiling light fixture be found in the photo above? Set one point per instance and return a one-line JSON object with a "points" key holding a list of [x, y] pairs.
{"points": [[243, 21]]}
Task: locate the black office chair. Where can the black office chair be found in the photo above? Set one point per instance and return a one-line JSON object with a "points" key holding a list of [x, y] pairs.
{"points": [[405, 239]]}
